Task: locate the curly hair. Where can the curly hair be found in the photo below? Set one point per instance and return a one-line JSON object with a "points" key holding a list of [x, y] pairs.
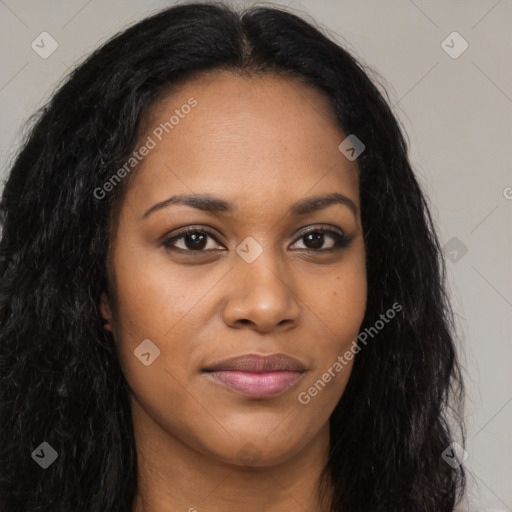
{"points": [[61, 380]]}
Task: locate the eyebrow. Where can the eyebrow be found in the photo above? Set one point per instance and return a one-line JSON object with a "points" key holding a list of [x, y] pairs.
{"points": [[210, 204]]}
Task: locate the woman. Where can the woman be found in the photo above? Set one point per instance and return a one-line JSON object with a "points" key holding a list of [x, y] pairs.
{"points": [[221, 285]]}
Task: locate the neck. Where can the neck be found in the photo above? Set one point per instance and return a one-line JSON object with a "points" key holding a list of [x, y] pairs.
{"points": [[173, 476]]}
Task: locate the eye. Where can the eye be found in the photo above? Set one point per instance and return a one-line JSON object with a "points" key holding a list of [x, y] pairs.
{"points": [[193, 240], [315, 238], [196, 240]]}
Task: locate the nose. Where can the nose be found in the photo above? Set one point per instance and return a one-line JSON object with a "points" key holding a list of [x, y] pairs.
{"points": [[262, 296]]}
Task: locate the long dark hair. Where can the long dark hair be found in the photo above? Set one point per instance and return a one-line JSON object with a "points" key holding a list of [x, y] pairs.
{"points": [[61, 380]]}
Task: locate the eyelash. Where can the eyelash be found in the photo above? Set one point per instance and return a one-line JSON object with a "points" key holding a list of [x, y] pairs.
{"points": [[341, 241]]}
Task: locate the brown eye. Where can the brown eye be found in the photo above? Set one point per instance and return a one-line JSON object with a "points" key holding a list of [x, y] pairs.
{"points": [[196, 240], [315, 239], [193, 240]]}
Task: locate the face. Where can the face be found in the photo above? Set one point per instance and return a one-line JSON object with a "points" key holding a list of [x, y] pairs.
{"points": [[264, 270]]}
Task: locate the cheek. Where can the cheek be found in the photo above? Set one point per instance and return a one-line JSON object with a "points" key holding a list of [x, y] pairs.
{"points": [[155, 296], [337, 310], [150, 306], [347, 299], [339, 305]]}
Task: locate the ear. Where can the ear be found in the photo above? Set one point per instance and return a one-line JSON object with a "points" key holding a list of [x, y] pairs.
{"points": [[106, 313]]}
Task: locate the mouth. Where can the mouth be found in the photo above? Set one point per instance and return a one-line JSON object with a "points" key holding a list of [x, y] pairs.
{"points": [[257, 376]]}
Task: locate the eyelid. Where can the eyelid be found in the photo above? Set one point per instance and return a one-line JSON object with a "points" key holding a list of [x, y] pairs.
{"points": [[320, 227]]}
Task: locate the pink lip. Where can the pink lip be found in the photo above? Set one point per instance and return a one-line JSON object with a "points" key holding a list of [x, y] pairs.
{"points": [[255, 375], [257, 384]]}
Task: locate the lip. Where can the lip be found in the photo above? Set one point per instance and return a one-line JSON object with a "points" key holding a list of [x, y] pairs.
{"points": [[257, 376]]}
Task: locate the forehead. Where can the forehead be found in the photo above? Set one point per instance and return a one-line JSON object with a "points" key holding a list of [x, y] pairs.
{"points": [[229, 90], [263, 137]]}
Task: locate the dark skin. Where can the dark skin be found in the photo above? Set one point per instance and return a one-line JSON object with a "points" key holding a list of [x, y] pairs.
{"points": [[262, 143]]}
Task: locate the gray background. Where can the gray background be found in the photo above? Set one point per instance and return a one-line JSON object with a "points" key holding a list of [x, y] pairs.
{"points": [[457, 116]]}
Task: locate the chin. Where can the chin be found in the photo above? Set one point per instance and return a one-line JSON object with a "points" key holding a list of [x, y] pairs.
{"points": [[258, 452]]}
